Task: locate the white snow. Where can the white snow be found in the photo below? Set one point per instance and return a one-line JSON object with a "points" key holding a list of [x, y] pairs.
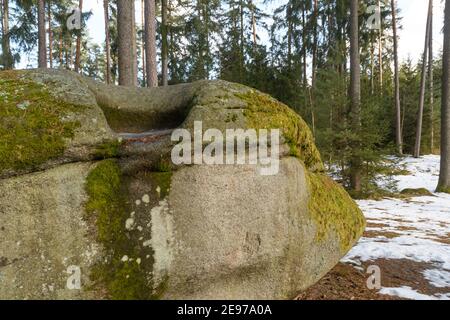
{"points": [[422, 225], [438, 278], [406, 293]]}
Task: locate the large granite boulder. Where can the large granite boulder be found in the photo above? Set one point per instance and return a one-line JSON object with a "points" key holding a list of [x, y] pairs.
{"points": [[92, 207]]}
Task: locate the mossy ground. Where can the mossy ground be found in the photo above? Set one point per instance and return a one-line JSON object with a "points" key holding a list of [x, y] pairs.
{"points": [[264, 112], [107, 150], [332, 208], [107, 204], [421, 192], [32, 129], [443, 189]]}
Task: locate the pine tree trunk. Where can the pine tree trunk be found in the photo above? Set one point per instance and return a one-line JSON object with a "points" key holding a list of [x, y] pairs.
{"points": [[78, 49], [380, 50], [134, 42], [242, 42], [304, 35], [253, 17], [355, 95], [398, 116], [60, 47], [372, 66], [417, 147], [50, 33], [42, 51], [431, 88], [444, 178], [144, 70], [127, 43], [314, 48], [8, 62], [164, 44], [150, 43], [289, 34], [107, 42]]}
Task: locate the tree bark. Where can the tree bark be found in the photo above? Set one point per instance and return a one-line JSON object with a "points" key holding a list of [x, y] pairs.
{"points": [[8, 62], [417, 146], [150, 43], [431, 88], [78, 49], [253, 17], [144, 70], [42, 51], [127, 43], [444, 178], [304, 35], [380, 49], [50, 33], [355, 95], [60, 47], [398, 116], [314, 48], [107, 42], [165, 43]]}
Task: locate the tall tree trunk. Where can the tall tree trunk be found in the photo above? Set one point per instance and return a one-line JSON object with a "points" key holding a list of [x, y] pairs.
{"points": [[253, 17], [289, 33], [355, 94], [60, 47], [150, 43], [315, 43], [127, 43], [107, 42], [398, 115], [164, 44], [417, 146], [50, 33], [242, 41], [134, 49], [78, 49], [8, 62], [431, 83], [144, 70], [42, 52], [444, 178], [304, 34], [372, 66], [380, 49]]}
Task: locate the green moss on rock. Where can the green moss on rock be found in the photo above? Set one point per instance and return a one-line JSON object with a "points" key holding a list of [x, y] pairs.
{"points": [[443, 189], [333, 209], [163, 181], [264, 112], [421, 192], [108, 150], [32, 127], [107, 205]]}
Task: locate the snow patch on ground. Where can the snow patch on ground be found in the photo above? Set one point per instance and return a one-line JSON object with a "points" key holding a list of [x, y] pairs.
{"points": [[422, 226], [406, 293]]}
